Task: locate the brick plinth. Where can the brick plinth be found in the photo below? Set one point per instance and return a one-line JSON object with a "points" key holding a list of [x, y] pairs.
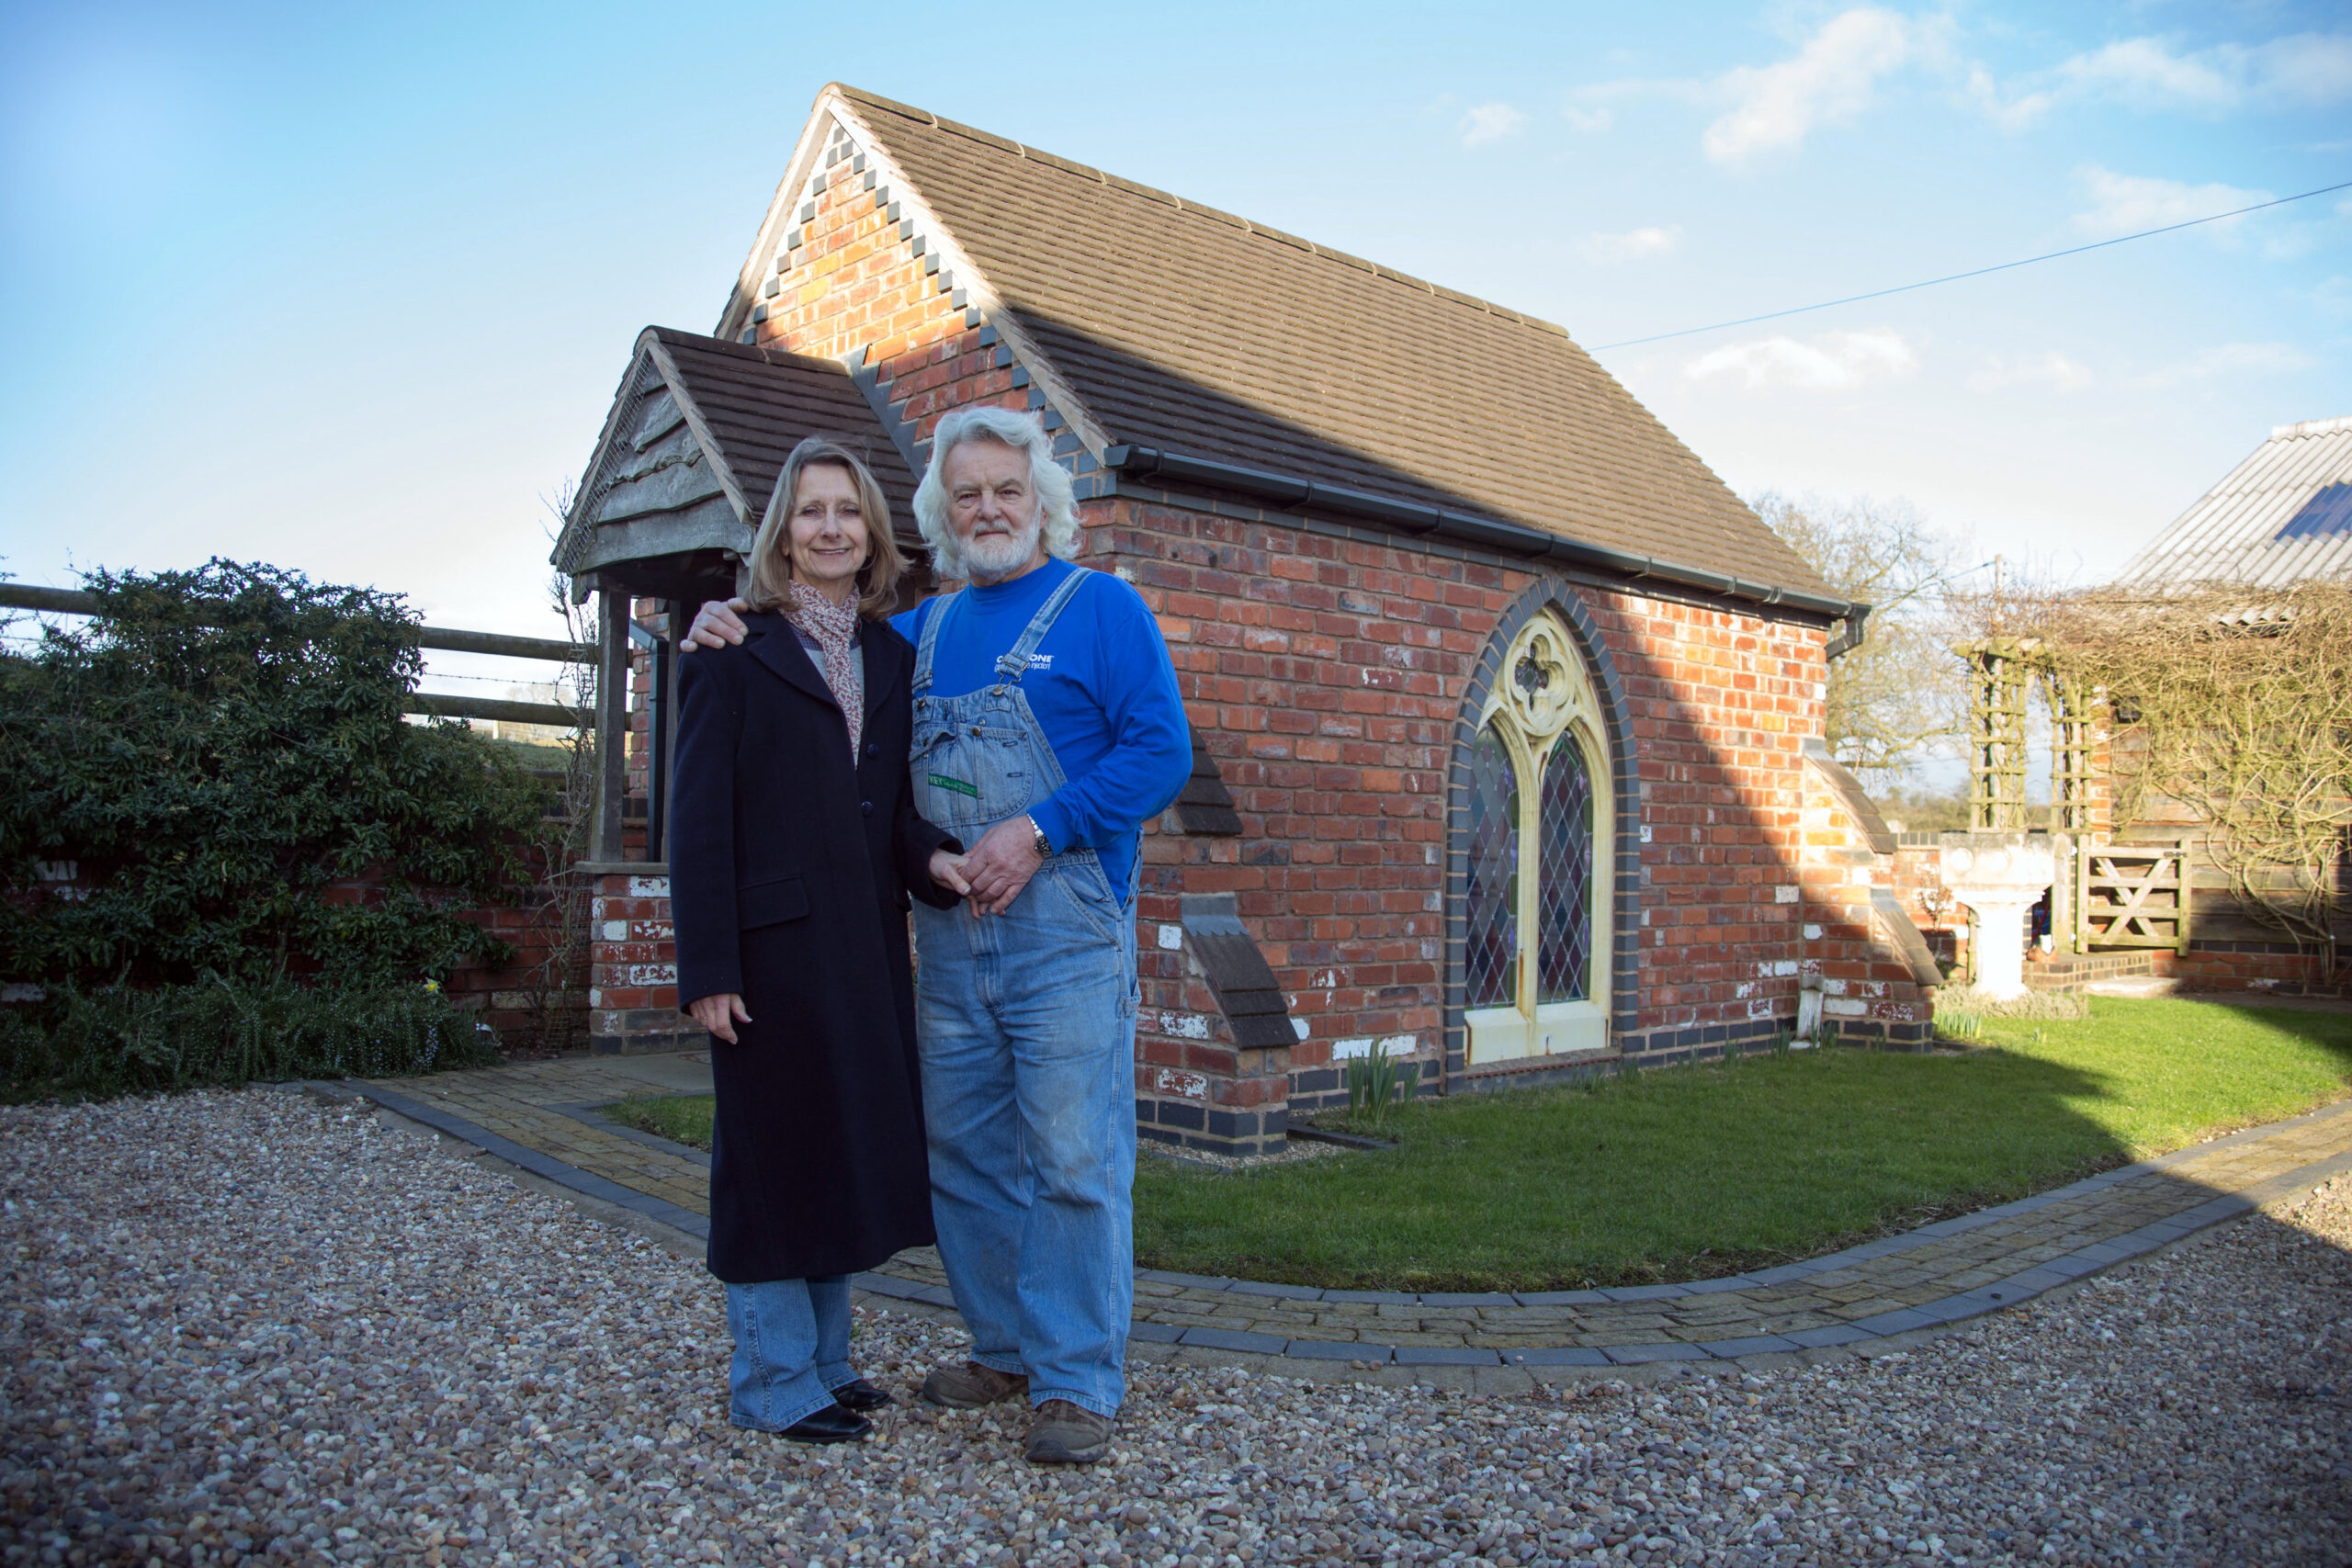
{"points": [[633, 967]]}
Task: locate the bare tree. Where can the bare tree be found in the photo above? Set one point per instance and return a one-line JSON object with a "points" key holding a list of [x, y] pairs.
{"points": [[1897, 698]]}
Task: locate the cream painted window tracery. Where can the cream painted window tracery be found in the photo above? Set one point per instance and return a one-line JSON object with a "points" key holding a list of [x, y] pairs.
{"points": [[1536, 951]]}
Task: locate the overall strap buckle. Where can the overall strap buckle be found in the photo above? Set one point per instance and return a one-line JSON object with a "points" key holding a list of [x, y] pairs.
{"points": [[1015, 663]]}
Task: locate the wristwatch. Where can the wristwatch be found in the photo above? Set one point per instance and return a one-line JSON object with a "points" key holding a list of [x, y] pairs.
{"points": [[1044, 845]]}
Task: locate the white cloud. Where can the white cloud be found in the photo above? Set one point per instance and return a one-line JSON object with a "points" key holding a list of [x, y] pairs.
{"points": [[2016, 113], [1828, 81], [1489, 123], [1611, 250], [2312, 68], [2146, 71], [2053, 369], [2309, 69], [2126, 204], [1833, 362], [2233, 359], [1588, 119]]}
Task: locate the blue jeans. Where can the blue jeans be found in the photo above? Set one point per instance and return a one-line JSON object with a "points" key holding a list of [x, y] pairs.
{"points": [[1027, 1024], [791, 1350]]}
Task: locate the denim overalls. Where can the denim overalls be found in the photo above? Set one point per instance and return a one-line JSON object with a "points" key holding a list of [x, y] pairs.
{"points": [[1026, 1022]]}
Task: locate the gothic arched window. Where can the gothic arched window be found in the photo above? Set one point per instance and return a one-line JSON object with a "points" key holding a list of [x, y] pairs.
{"points": [[1535, 948]]}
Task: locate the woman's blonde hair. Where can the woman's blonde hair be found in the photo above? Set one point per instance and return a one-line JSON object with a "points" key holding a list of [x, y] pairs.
{"points": [[878, 580]]}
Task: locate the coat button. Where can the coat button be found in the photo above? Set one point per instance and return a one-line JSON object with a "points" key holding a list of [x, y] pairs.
{"points": [[866, 807]]}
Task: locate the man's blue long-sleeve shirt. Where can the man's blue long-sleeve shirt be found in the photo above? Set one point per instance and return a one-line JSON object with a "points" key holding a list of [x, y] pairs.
{"points": [[1103, 689]]}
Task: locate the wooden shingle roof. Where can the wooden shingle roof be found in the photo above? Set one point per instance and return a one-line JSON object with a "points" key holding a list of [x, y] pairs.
{"points": [[1178, 326]]}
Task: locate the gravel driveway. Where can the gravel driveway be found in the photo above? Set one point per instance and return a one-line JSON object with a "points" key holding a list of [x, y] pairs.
{"points": [[246, 1325]]}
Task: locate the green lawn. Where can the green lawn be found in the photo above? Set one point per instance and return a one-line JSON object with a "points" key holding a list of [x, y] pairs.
{"points": [[1693, 1172], [681, 1118]]}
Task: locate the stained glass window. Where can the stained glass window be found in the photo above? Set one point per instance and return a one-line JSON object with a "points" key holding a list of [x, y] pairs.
{"points": [[1490, 950], [1564, 890]]}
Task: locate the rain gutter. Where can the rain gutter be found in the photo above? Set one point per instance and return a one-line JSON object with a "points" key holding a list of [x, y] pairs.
{"points": [[1144, 462]]}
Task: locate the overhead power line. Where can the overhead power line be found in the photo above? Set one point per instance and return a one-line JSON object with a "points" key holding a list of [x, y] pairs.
{"points": [[1980, 272]]}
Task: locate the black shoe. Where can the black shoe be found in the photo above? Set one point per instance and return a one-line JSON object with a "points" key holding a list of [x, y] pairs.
{"points": [[859, 1395], [831, 1425]]}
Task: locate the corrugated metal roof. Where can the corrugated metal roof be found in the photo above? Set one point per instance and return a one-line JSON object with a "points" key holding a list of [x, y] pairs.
{"points": [[2283, 516]]}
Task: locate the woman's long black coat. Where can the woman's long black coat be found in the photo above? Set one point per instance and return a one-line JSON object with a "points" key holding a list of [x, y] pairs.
{"points": [[789, 875]]}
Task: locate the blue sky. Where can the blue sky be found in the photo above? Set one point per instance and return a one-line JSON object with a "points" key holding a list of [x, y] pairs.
{"points": [[348, 288]]}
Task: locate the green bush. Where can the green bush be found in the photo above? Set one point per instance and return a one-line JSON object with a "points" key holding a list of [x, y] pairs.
{"points": [[221, 754], [95, 1045]]}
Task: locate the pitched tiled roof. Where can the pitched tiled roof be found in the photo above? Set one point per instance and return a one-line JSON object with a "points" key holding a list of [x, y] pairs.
{"points": [[698, 432], [2283, 516], [1181, 327], [759, 403]]}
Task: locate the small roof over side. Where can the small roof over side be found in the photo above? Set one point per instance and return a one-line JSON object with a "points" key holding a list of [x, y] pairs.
{"points": [[2281, 518], [699, 429]]}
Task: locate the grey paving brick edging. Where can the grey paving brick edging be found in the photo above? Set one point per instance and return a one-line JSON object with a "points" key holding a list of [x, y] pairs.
{"points": [[1997, 1296]]}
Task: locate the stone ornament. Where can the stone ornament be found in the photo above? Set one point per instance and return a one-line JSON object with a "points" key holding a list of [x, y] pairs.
{"points": [[1999, 876]]}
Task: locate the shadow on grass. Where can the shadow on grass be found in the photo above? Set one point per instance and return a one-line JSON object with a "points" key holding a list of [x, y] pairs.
{"points": [[1696, 1173]]}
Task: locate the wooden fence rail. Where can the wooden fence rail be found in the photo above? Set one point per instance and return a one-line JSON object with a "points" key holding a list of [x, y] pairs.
{"points": [[71, 601]]}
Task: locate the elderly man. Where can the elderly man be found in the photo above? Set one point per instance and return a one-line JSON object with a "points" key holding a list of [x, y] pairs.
{"points": [[1047, 730]]}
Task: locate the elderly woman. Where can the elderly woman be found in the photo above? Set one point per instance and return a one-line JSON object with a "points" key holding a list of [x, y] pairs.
{"points": [[794, 850]]}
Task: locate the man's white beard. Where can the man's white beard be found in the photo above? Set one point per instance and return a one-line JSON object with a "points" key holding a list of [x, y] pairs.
{"points": [[995, 557]]}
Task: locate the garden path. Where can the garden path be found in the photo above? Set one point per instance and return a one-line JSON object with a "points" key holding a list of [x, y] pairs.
{"points": [[541, 1116]]}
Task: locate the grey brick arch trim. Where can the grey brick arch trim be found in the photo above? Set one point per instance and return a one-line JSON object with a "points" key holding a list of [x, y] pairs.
{"points": [[1624, 958]]}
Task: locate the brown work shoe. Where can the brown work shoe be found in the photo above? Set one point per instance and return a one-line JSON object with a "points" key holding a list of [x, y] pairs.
{"points": [[1063, 1433], [971, 1385]]}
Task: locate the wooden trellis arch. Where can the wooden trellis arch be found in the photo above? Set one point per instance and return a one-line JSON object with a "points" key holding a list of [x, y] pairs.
{"points": [[2109, 895]]}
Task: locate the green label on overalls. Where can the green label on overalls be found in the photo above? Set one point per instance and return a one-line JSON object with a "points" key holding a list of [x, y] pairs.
{"points": [[941, 781]]}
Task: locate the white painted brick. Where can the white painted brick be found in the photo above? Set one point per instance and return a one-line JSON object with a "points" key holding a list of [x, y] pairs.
{"points": [[615, 930], [1785, 894], [1184, 1025], [1171, 937], [1184, 1085], [1344, 1049]]}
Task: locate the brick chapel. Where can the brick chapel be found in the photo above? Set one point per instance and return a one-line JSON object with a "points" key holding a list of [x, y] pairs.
{"points": [[1507, 712]]}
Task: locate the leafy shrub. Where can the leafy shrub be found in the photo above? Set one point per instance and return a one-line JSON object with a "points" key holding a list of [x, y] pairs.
{"points": [[93, 1045], [221, 756]]}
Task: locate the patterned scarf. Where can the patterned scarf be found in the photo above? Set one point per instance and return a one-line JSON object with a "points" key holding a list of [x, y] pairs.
{"points": [[834, 628]]}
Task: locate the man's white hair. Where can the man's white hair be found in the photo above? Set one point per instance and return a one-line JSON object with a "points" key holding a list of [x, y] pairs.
{"points": [[1047, 479]]}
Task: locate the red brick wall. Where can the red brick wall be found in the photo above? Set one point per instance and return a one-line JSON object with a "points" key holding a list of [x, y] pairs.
{"points": [[1852, 955], [854, 286], [1328, 674]]}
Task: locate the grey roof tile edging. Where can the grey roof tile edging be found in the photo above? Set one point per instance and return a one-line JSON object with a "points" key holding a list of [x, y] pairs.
{"points": [[1995, 1297]]}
